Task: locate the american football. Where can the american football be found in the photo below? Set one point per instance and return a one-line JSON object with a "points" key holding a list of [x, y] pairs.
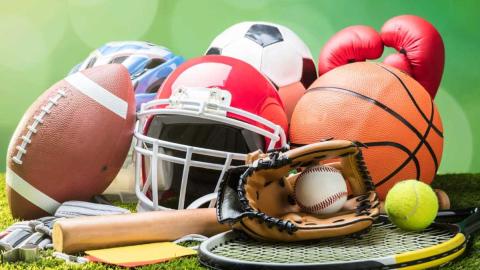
{"points": [[54, 154], [235, 135]]}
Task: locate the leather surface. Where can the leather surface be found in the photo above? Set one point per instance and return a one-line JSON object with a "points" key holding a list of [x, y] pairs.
{"points": [[422, 46], [419, 46], [400, 61], [367, 102], [80, 146], [251, 91], [264, 198], [353, 44], [290, 95]]}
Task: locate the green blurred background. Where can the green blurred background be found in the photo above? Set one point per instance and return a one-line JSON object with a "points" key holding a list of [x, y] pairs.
{"points": [[41, 40]]}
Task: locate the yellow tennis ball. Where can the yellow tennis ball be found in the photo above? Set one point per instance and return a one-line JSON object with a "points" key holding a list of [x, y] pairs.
{"points": [[411, 205]]}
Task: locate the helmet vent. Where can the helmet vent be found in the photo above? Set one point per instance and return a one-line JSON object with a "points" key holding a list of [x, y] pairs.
{"points": [[154, 63], [118, 60]]}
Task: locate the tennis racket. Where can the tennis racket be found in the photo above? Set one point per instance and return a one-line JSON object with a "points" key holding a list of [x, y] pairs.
{"points": [[384, 247]]}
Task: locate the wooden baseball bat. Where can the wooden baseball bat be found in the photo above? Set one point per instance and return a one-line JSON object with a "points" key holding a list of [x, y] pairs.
{"points": [[87, 233]]}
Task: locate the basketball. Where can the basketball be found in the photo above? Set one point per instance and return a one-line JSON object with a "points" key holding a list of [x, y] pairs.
{"points": [[381, 107]]}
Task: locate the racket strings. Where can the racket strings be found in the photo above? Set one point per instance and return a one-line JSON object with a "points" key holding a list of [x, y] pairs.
{"points": [[383, 240]]}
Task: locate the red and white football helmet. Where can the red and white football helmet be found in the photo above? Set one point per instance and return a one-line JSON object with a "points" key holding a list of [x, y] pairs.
{"points": [[209, 113]]}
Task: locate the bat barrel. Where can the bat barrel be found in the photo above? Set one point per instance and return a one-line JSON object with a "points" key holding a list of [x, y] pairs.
{"points": [[87, 233]]}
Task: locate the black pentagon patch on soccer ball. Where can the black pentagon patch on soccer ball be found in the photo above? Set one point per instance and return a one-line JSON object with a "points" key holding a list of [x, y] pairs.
{"points": [[309, 72], [214, 51], [264, 35]]}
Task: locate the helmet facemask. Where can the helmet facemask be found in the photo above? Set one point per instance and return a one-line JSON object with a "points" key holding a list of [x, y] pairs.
{"points": [[186, 143]]}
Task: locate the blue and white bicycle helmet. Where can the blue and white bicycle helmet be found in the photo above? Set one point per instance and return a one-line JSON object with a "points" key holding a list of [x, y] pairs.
{"points": [[147, 63]]}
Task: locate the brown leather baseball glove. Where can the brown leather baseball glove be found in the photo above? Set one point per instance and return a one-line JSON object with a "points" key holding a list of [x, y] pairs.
{"points": [[258, 198]]}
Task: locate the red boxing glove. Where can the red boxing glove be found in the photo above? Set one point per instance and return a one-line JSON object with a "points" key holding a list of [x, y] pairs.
{"points": [[352, 44], [421, 52]]}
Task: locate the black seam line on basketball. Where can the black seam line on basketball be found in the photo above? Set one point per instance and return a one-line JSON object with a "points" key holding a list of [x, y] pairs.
{"points": [[429, 147], [390, 111], [400, 147], [371, 100], [414, 152], [430, 127], [412, 99]]}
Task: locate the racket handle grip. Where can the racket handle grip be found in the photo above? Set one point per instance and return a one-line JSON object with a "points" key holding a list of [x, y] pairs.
{"points": [[472, 223], [456, 213]]}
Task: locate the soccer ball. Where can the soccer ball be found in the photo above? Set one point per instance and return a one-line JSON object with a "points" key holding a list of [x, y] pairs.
{"points": [[274, 50]]}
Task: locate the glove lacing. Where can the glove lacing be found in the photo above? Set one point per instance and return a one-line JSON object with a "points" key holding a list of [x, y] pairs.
{"points": [[275, 161], [364, 206]]}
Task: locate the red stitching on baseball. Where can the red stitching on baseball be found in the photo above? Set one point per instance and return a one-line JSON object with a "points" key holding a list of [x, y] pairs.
{"points": [[323, 204], [322, 168], [327, 201]]}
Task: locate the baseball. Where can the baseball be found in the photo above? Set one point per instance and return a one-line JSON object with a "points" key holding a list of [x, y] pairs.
{"points": [[321, 190]]}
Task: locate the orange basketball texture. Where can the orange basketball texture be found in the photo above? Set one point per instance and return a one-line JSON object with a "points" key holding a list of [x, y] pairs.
{"points": [[382, 107]]}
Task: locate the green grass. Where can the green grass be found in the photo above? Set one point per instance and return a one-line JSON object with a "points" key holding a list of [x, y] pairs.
{"points": [[463, 189], [49, 262]]}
